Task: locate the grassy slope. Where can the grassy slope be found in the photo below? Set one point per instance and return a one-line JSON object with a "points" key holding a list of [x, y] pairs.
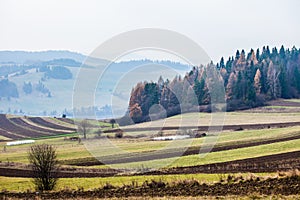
{"points": [[61, 96]]}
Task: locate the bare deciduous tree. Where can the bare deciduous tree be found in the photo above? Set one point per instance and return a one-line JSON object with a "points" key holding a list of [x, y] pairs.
{"points": [[273, 80], [112, 122], [83, 127], [43, 159]]}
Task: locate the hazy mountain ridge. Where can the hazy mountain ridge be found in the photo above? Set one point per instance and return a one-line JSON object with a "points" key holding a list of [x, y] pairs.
{"points": [[26, 57], [45, 87]]}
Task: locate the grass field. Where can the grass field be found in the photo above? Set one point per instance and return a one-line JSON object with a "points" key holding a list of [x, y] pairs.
{"points": [[24, 184], [216, 157], [71, 149], [65, 149], [293, 100]]}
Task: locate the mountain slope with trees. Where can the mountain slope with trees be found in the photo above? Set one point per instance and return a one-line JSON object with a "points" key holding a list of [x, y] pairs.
{"points": [[249, 79]]}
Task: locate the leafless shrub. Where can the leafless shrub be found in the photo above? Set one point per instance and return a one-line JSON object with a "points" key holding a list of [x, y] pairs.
{"points": [[43, 159]]}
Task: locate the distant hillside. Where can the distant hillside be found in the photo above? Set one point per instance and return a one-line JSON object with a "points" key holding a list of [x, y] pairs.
{"points": [[45, 87], [24, 57], [250, 79]]}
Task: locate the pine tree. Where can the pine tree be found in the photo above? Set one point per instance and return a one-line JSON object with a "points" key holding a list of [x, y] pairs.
{"points": [[274, 52], [222, 63], [242, 58], [257, 54], [240, 87], [237, 55], [268, 51], [253, 58], [283, 82], [229, 65], [199, 90], [251, 94], [282, 52], [297, 78]]}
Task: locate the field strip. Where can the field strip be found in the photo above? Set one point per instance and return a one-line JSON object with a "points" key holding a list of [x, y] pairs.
{"points": [[270, 163], [230, 118], [22, 124], [27, 120], [267, 163], [288, 185], [45, 122], [63, 122], [10, 135], [23, 184], [216, 157], [206, 128], [169, 153]]}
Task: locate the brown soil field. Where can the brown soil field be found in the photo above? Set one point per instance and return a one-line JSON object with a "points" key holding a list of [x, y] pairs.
{"points": [[271, 163], [20, 122], [16, 128], [43, 122]]}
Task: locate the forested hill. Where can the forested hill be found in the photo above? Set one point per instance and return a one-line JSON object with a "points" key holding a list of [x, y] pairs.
{"points": [[250, 79]]}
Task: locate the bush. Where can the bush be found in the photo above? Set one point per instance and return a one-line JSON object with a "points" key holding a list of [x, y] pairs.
{"points": [[119, 134], [43, 159], [199, 135]]}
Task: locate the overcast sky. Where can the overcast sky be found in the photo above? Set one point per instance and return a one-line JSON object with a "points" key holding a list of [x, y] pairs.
{"points": [[219, 26]]}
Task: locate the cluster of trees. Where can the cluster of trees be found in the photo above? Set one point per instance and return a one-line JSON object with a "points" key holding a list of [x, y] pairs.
{"points": [[56, 72], [244, 81], [57, 66], [10, 68], [8, 89], [27, 88], [40, 87], [254, 78]]}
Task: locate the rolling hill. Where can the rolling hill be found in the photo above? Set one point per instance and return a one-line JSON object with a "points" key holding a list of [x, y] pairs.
{"points": [[42, 83]]}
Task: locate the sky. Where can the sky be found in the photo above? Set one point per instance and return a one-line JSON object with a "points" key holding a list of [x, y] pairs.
{"points": [[220, 27]]}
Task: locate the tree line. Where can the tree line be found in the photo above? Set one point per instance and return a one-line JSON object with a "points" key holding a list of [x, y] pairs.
{"points": [[248, 80]]}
